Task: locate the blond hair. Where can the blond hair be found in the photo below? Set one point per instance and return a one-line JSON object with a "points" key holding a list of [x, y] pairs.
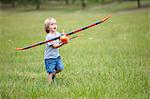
{"points": [[47, 23]]}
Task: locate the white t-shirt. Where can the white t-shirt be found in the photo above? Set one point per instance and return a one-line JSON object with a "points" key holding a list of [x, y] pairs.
{"points": [[51, 52]]}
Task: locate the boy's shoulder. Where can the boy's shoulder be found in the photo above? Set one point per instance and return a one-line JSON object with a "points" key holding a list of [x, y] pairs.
{"points": [[58, 33]]}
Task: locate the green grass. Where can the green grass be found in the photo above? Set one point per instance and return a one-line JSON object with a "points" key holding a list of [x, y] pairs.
{"points": [[109, 61]]}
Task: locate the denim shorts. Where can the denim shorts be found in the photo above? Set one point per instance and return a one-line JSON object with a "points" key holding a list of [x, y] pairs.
{"points": [[53, 64]]}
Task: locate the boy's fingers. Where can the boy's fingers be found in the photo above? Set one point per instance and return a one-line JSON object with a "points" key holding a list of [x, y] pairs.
{"points": [[64, 39]]}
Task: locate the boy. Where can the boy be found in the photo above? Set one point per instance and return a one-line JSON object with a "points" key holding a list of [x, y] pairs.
{"points": [[52, 57]]}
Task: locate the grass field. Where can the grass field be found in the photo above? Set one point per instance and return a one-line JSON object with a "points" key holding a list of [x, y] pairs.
{"points": [[109, 61]]}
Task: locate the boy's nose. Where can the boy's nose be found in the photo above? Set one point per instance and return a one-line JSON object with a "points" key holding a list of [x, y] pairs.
{"points": [[55, 26]]}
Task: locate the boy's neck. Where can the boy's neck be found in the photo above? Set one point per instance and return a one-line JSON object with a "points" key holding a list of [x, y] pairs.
{"points": [[52, 32]]}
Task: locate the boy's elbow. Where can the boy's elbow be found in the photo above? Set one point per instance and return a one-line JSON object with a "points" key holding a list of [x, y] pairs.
{"points": [[55, 46]]}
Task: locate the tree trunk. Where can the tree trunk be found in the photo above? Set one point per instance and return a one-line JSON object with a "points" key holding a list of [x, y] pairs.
{"points": [[83, 4], [67, 2], [13, 3], [38, 4], [138, 3]]}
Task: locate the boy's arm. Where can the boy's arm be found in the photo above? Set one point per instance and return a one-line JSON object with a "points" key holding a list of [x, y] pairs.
{"points": [[57, 45], [63, 40]]}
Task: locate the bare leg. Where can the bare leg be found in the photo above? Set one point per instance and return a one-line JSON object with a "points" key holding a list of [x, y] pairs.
{"points": [[54, 74], [50, 77]]}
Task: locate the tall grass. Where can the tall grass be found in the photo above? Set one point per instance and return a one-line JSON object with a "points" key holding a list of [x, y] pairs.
{"points": [[108, 61]]}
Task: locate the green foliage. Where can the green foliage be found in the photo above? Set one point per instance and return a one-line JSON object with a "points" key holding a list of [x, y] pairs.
{"points": [[7, 1]]}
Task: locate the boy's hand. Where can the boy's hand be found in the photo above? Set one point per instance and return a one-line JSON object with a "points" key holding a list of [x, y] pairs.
{"points": [[64, 39]]}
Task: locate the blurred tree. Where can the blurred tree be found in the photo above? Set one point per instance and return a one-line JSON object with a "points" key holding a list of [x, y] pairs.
{"points": [[138, 3], [73, 1], [67, 2], [23, 2], [83, 4], [38, 3], [12, 2]]}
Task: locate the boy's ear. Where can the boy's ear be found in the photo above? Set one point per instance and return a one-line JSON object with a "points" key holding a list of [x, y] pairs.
{"points": [[48, 27]]}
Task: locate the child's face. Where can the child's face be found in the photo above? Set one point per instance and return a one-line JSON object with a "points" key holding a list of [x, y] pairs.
{"points": [[52, 26]]}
